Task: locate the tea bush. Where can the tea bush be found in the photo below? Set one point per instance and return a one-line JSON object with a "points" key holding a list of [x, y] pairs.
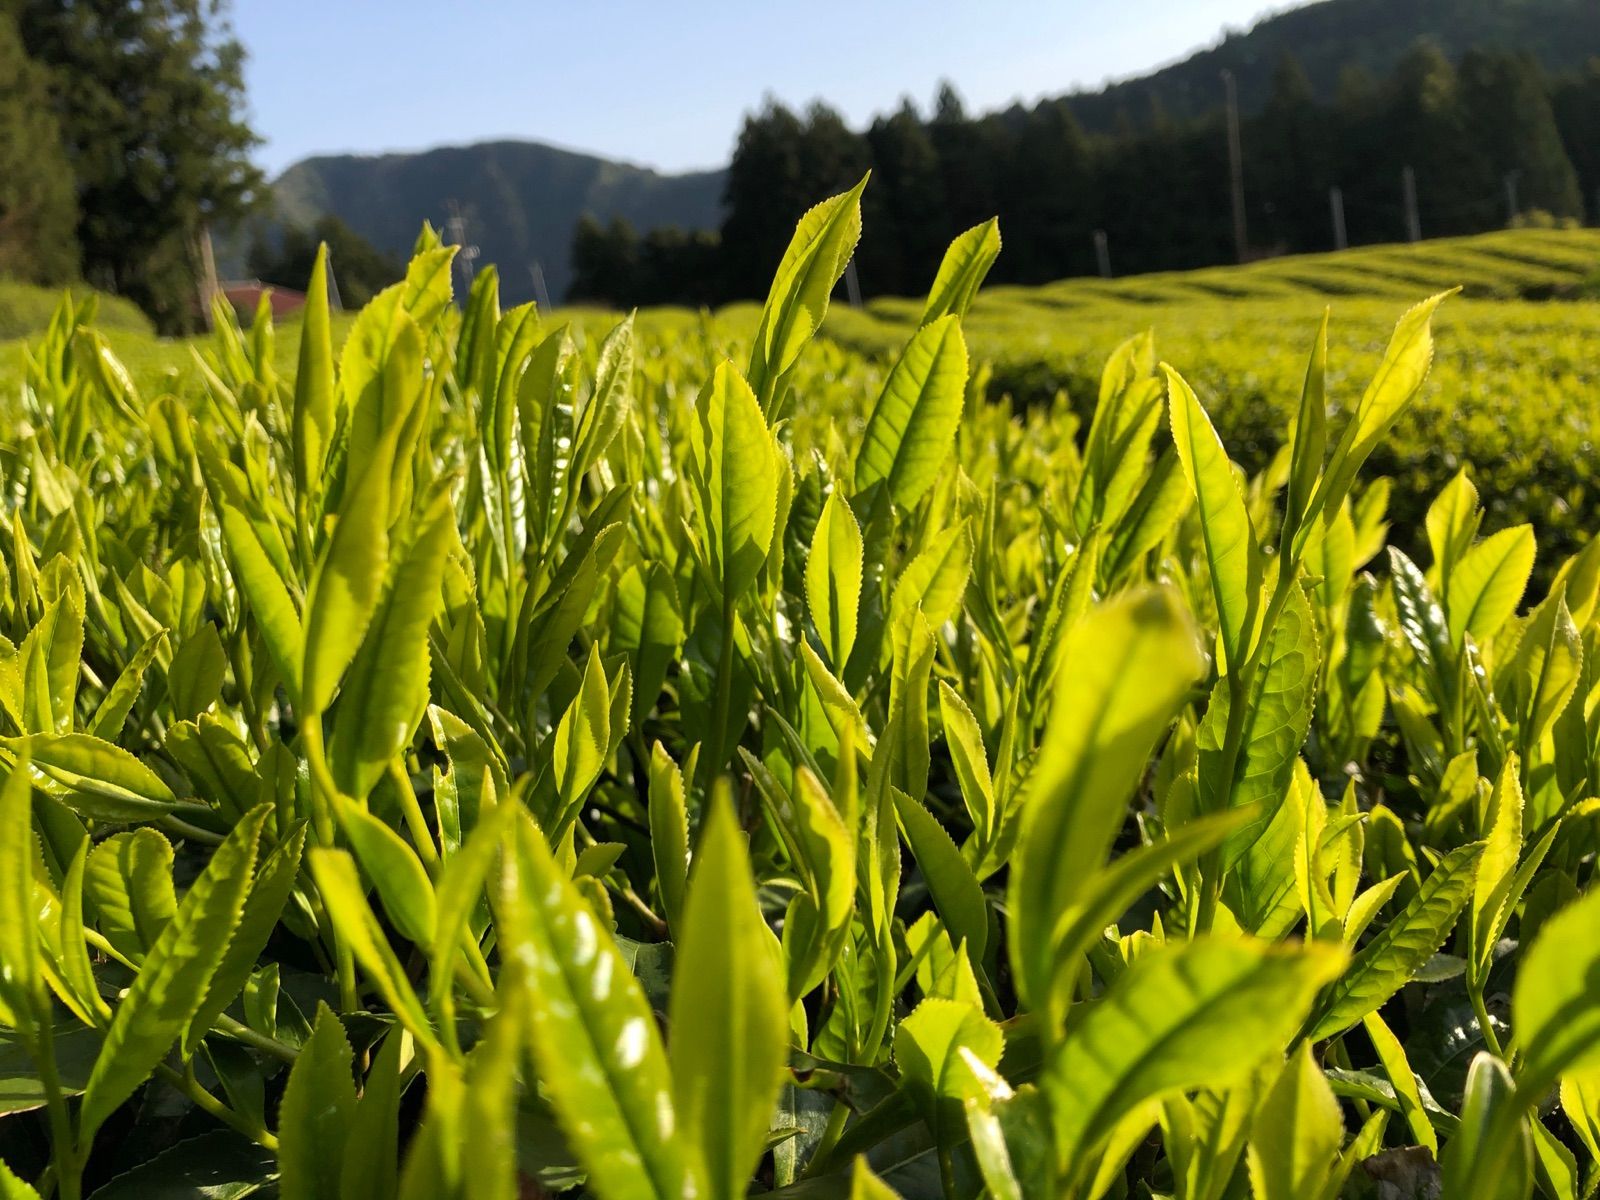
{"points": [[490, 761]]}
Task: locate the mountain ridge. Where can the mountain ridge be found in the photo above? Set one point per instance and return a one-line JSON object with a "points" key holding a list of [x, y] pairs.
{"points": [[521, 200]]}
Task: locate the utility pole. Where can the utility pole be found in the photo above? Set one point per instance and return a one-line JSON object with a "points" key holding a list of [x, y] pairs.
{"points": [[335, 301], [1235, 165], [1102, 253], [456, 230], [208, 276], [1408, 180], [852, 283], [540, 293], [1336, 203], [1512, 209]]}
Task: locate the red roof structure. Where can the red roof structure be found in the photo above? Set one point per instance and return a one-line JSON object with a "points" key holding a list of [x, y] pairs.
{"points": [[245, 295]]}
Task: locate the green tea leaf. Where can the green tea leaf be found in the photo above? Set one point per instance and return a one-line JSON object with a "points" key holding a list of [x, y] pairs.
{"points": [[1310, 439], [956, 893], [98, 779], [109, 718], [315, 401], [19, 948], [833, 579], [913, 425], [1398, 1068], [928, 1049], [1203, 1014], [1126, 669], [269, 892], [339, 883], [824, 239], [1491, 1155], [969, 760], [1398, 951], [128, 880], [386, 687], [729, 1015], [669, 835], [583, 737], [961, 271], [348, 583], [738, 465], [171, 986], [269, 599], [1278, 706], [593, 1036], [1497, 869], [315, 1114], [1552, 1001], [372, 1148], [1296, 1133], [1225, 527], [1487, 584], [1399, 377]]}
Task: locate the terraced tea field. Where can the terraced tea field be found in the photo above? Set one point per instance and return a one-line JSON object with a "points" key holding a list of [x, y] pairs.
{"points": [[967, 747]]}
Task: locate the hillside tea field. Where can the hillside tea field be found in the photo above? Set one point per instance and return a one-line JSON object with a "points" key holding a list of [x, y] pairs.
{"points": [[454, 753]]}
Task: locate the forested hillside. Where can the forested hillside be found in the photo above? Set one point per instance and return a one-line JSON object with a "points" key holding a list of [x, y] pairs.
{"points": [[1331, 40], [1137, 178]]}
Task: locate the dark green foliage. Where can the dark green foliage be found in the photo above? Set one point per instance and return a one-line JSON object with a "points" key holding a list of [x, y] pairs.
{"points": [[359, 268], [37, 207], [783, 165], [1368, 35], [148, 100], [666, 266], [1488, 139]]}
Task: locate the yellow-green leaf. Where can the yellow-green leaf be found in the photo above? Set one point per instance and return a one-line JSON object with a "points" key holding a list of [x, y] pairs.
{"points": [[729, 1013], [833, 579], [1126, 668], [171, 986], [96, 778], [348, 582], [1487, 584], [1553, 1007], [593, 1036], [961, 271], [824, 238], [914, 422], [314, 1116], [738, 464], [19, 948], [1296, 1133], [1398, 951], [386, 687], [1232, 555], [1203, 1014], [669, 835]]}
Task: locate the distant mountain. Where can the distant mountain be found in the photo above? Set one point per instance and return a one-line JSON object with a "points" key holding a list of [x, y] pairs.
{"points": [[1330, 37], [520, 201]]}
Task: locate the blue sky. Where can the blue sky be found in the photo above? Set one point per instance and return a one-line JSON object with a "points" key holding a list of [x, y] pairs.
{"points": [[665, 84]]}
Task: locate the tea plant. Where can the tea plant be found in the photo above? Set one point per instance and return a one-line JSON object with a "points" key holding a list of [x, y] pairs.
{"points": [[492, 762]]}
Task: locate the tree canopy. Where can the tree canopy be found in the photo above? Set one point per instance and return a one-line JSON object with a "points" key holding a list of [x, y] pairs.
{"points": [[360, 270], [38, 205], [1488, 140], [148, 99]]}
